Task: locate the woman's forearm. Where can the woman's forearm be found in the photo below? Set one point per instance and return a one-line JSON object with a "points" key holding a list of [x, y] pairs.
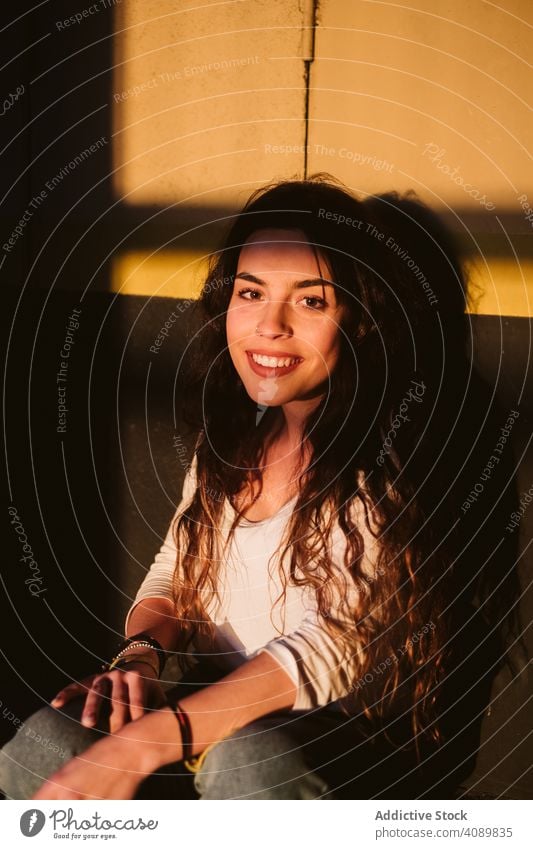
{"points": [[258, 687], [156, 616]]}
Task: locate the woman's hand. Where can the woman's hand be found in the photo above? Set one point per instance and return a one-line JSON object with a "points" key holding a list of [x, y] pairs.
{"points": [[112, 768], [127, 691], [115, 766]]}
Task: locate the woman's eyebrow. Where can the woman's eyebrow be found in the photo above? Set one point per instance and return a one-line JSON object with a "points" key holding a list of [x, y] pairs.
{"points": [[300, 284]]}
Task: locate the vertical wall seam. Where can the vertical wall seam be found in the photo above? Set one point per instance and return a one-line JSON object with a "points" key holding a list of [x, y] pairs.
{"points": [[309, 30]]}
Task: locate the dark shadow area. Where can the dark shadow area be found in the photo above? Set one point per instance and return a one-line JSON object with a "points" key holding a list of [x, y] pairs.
{"points": [[95, 501]]}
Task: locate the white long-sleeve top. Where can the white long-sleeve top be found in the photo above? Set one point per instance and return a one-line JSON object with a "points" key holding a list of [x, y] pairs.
{"points": [[246, 622]]}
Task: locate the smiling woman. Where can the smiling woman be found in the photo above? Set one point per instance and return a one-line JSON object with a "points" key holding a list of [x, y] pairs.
{"points": [[316, 575], [283, 338]]}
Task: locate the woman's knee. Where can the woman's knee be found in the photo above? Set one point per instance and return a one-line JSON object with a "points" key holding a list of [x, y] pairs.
{"points": [[41, 746], [260, 761]]}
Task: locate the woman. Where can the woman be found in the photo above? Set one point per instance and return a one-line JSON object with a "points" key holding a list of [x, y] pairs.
{"points": [[317, 566]]}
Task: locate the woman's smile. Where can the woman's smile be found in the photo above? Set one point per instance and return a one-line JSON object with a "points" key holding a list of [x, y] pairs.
{"points": [[272, 365]]}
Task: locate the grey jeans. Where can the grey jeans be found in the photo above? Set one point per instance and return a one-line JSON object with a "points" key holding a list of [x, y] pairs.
{"points": [[259, 762], [318, 754]]}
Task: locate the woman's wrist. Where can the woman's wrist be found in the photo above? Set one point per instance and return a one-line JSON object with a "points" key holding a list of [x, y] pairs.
{"points": [[144, 641], [140, 664], [144, 652], [155, 738]]}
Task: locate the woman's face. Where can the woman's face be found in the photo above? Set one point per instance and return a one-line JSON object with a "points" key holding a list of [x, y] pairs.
{"points": [[283, 319]]}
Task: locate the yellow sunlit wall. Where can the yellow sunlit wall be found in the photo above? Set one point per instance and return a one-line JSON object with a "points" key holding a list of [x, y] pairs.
{"points": [[202, 97], [209, 103], [436, 96], [164, 274]]}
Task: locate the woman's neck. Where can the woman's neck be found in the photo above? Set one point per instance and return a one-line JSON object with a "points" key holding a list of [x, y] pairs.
{"points": [[295, 415]]}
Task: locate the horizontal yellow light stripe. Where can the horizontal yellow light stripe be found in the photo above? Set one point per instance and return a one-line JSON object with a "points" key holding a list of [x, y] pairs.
{"points": [[507, 286], [165, 274]]}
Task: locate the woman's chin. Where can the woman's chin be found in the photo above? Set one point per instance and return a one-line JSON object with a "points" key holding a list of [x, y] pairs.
{"points": [[261, 397], [262, 402]]}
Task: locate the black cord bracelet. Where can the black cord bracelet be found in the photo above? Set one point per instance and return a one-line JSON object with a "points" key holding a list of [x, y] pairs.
{"points": [[185, 729]]}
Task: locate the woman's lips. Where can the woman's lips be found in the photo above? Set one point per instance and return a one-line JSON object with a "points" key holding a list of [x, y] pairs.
{"points": [[269, 371]]}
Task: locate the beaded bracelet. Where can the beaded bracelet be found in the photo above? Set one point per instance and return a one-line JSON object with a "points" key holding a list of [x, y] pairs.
{"points": [[141, 640], [152, 643], [126, 655], [137, 644]]}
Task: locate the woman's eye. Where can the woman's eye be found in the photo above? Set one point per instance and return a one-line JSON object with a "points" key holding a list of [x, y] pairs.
{"points": [[318, 302], [243, 292]]}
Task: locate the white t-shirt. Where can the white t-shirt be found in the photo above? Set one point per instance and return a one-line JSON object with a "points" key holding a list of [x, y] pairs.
{"points": [[246, 619]]}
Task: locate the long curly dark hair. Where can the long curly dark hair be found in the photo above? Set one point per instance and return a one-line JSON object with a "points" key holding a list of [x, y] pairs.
{"points": [[390, 432]]}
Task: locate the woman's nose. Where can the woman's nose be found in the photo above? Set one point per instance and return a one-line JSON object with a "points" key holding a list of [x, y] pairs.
{"points": [[274, 319]]}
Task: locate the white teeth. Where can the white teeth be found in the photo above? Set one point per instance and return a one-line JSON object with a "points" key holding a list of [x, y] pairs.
{"points": [[273, 362]]}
